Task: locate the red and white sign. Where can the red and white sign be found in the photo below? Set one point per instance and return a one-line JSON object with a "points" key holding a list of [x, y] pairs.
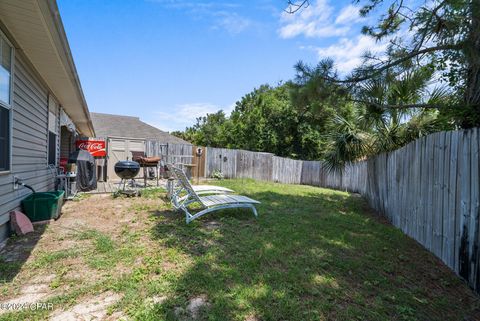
{"points": [[94, 147]]}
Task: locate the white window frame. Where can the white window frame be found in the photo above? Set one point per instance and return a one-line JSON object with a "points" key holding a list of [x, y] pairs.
{"points": [[9, 105]]}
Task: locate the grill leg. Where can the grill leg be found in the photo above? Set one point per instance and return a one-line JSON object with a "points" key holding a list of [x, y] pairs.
{"points": [[122, 181], [144, 176]]}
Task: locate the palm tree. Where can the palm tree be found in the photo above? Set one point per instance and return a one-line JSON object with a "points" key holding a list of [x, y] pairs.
{"points": [[371, 129]]}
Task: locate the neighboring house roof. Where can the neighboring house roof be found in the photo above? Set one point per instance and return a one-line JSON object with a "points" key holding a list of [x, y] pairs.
{"points": [[36, 29], [107, 125]]}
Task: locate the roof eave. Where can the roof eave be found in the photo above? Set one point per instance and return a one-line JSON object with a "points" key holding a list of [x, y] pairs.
{"points": [[52, 12], [37, 31]]}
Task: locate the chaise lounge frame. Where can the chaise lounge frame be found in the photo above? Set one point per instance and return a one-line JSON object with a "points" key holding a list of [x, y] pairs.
{"points": [[176, 198], [210, 203]]}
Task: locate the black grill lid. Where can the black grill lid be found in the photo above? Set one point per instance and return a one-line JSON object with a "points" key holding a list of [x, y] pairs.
{"points": [[127, 164], [127, 169]]}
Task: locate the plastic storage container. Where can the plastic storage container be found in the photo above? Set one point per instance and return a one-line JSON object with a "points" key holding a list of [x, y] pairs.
{"points": [[43, 206]]}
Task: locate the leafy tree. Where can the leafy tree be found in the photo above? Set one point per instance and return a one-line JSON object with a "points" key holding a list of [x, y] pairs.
{"points": [[183, 135], [444, 35], [266, 120], [207, 131]]}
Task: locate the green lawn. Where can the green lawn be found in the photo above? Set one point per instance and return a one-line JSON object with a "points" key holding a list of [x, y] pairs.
{"points": [[313, 254]]}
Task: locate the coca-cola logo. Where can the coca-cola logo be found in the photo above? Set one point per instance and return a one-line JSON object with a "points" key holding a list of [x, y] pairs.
{"points": [[94, 147], [90, 146]]}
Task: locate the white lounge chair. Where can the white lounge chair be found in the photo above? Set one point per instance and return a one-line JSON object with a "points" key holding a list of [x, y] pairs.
{"points": [[210, 203], [176, 197]]}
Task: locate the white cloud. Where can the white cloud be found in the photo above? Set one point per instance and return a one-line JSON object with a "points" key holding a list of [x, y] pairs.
{"points": [[349, 14], [233, 23], [318, 21], [194, 5], [222, 15], [311, 30], [184, 115], [347, 53], [312, 21]]}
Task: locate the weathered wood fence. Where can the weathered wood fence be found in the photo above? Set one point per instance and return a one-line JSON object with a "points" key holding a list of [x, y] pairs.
{"points": [[234, 163], [172, 153], [429, 189]]}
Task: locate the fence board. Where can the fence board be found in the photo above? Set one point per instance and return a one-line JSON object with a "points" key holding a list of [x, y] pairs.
{"points": [[254, 165], [310, 174], [474, 209], [223, 160], [464, 207], [285, 170], [409, 212], [170, 153], [458, 192], [415, 189], [446, 201], [450, 214], [155, 148], [437, 195], [423, 178]]}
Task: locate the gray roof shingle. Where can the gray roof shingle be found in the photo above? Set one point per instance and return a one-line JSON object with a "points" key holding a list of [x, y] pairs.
{"points": [[107, 125]]}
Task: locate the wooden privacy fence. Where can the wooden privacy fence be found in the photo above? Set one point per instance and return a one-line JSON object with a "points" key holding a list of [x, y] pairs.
{"points": [[184, 154], [171, 153], [235, 163], [429, 189]]}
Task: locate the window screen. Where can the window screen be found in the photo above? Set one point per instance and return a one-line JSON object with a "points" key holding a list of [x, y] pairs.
{"points": [[52, 148], [4, 139]]}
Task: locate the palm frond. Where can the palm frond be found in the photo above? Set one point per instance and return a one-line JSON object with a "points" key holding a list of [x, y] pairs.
{"points": [[348, 144]]}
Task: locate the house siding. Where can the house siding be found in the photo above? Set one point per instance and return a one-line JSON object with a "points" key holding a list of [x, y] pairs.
{"points": [[29, 141]]}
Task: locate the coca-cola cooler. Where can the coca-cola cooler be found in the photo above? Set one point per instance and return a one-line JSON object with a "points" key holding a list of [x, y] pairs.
{"points": [[97, 148]]}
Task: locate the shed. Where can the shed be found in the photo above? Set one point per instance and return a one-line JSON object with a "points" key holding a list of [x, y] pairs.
{"points": [[125, 134]]}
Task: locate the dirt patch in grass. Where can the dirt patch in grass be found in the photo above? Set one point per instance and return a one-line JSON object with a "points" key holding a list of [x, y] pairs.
{"points": [[94, 308]]}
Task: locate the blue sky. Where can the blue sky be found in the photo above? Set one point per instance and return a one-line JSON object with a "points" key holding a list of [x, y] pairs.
{"points": [[170, 61]]}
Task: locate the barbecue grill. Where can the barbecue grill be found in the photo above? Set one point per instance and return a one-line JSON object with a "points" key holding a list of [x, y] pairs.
{"points": [[150, 165], [127, 170]]}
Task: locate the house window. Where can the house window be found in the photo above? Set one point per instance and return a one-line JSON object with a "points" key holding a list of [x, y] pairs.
{"points": [[6, 57], [52, 148], [5, 71], [52, 133], [4, 139]]}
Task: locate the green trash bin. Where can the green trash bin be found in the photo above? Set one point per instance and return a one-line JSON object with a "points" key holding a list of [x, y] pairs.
{"points": [[43, 206]]}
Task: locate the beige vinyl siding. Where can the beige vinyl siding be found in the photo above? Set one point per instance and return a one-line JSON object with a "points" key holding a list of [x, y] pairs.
{"points": [[29, 141]]}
